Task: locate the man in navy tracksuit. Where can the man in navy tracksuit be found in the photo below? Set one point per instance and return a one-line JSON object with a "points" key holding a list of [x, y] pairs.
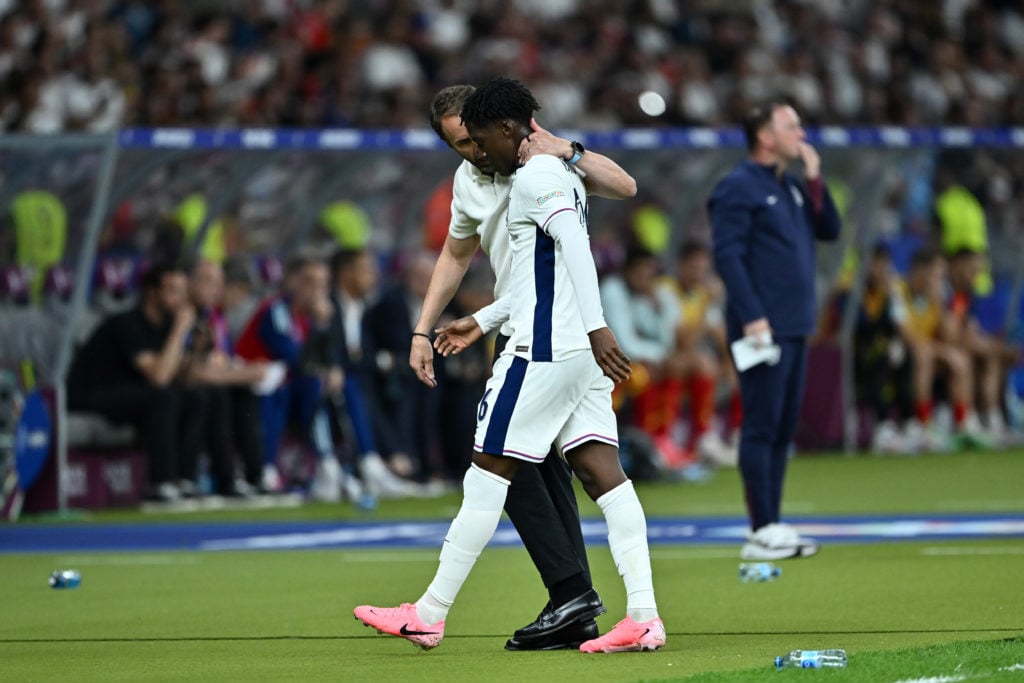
{"points": [[765, 222]]}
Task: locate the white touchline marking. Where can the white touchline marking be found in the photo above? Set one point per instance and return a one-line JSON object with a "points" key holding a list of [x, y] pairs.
{"points": [[128, 560], [696, 554], [424, 556], [955, 551], [1015, 667], [933, 679], [997, 504]]}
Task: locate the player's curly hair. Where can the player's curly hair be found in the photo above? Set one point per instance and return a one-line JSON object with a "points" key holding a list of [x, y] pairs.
{"points": [[502, 98]]}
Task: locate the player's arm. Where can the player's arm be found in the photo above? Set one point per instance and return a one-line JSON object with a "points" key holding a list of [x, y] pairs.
{"points": [[160, 368], [601, 175], [564, 226], [731, 209], [451, 267], [275, 331], [220, 370]]}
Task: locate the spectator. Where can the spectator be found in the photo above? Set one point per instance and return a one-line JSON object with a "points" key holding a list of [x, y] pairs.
{"points": [[644, 315], [961, 221], [407, 406], [355, 282], [881, 366], [924, 327], [225, 381], [239, 300], [294, 327], [98, 66], [126, 372], [461, 378], [703, 352], [991, 356]]}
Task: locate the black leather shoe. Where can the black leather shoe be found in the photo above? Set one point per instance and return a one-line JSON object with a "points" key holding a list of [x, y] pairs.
{"points": [[568, 638], [550, 621]]}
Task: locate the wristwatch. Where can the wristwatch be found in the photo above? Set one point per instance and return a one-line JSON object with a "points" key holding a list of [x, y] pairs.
{"points": [[578, 150]]}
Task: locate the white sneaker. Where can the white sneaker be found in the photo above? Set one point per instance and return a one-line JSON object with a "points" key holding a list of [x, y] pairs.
{"points": [[271, 480], [352, 488], [326, 486], [887, 439], [777, 542], [935, 439], [998, 431], [166, 492], [382, 482], [711, 448]]}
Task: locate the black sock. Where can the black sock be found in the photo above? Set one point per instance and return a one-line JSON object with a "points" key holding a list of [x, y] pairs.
{"points": [[568, 589]]}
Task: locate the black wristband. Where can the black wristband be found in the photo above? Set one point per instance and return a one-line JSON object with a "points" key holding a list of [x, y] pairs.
{"points": [[421, 334]]}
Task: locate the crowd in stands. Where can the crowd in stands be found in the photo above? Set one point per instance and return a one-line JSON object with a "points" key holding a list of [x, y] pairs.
{"points": [[96, 65]]}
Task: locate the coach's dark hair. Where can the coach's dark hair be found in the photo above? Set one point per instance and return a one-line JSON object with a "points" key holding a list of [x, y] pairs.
{"points": [[153, 278], [760, 115], [447, 103], [502, 98]]}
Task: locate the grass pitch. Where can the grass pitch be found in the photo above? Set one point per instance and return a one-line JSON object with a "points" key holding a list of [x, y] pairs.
{"points": [[903, 611]]}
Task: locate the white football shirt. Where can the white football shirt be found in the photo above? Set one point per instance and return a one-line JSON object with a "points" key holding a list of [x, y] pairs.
{"points": [[479, 207], [547, 324]]}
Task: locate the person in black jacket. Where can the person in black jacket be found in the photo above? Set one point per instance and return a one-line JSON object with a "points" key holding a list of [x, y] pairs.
{"points": [[765, 222], [409, 407], [126, 371]]}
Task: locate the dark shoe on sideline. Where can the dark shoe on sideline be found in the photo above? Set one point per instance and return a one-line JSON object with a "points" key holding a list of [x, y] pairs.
{"points": [[569, 637], [550, 621]]}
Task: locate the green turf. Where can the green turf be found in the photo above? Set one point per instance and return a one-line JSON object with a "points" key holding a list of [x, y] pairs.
{"points": [[287, 615]]}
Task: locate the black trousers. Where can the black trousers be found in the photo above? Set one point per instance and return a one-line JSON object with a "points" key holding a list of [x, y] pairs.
{"points": [[227, 420], [247, 431], [542, 506], [162, 417]]}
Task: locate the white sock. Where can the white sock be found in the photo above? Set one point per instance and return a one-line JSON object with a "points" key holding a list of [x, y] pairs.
{"points": [[483, 498], [627, 538]]}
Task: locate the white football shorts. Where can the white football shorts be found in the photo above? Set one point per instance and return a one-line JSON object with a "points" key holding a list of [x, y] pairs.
{"points": [[528, 406]]}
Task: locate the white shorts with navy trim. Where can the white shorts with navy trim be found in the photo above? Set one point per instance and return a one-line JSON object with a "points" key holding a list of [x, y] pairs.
{"points": [[528, 406]]}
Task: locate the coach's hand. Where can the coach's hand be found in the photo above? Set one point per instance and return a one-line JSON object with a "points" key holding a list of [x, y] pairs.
{"points": [[541, 141], [456, 337], [614, 363], [421, 360], [812, 162]]}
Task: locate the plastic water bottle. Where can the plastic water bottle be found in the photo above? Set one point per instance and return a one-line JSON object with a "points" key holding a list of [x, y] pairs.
{"points": [[812, 659], [756, 572], [65, 578]]}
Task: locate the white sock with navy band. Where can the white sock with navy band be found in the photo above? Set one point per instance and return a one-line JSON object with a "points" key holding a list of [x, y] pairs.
{"points": [[483, 498], [627, 539]]}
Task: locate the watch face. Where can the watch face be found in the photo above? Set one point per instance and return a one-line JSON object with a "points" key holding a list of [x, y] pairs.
{"points": [[578, 147]]}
